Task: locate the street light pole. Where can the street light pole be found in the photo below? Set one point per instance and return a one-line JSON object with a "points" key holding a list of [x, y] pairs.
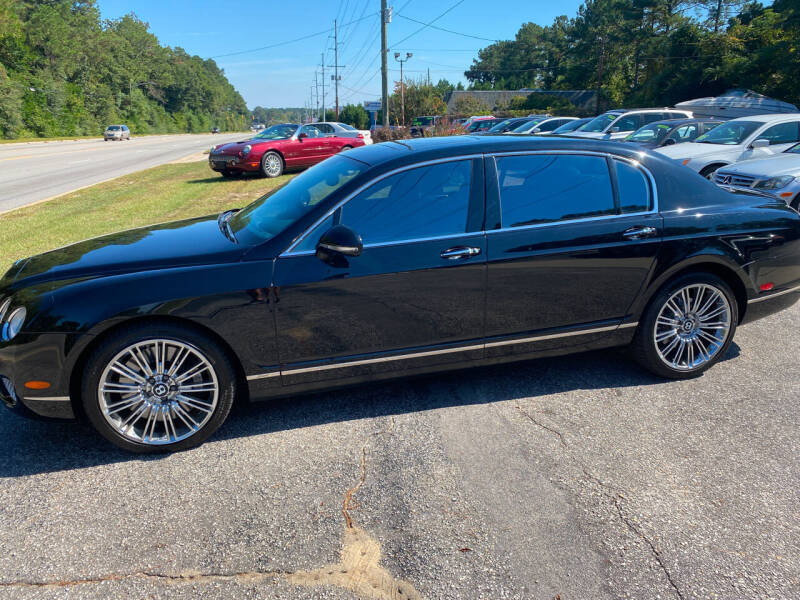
{"points": [[402, 86]]}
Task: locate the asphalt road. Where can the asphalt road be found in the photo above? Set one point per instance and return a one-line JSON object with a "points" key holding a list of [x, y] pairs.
{"points": [[570, 478], [30, 172]]}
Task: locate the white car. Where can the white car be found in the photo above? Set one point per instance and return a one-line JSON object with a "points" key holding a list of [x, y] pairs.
{"points": [[343, 130], [777, 176], [745, 138], [619, 123], [541, 126]]}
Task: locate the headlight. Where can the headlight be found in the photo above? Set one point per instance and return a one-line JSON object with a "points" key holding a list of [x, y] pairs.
{"points": [[774, 183], [13, 324], [3, 309], [246, 150]]}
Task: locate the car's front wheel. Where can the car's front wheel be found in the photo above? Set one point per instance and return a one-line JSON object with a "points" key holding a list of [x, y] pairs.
{"points": [[272, 165], [687, 327], [158, 388]]}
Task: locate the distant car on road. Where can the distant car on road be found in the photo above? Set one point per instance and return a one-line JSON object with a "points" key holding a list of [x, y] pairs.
{"points": [[739, 139], [673, 131], [778, 176], [419, 125], [618, 123], [277, 148], [215, 130], [570, 126], [343, 130], [116, 132]]}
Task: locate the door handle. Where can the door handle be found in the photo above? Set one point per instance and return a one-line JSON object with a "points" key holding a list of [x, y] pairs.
{"points": [[460, 252], [639, 232]]}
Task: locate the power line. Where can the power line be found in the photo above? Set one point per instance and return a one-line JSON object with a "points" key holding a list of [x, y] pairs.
{"points": [[467, 35], [300, 39], [426, 25]]}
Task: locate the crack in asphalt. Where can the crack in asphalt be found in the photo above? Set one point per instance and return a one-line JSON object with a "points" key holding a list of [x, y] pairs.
{"points": [[185, 577], [613, 497]]}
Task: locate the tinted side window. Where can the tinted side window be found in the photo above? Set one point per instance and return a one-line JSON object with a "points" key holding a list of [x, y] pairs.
{"points": [[628, 123], [634, 193], [550, 125], [783, 133], [418, 203], [653, 117], [547, 188]]}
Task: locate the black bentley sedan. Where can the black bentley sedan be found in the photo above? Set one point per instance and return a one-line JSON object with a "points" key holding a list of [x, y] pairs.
{"points": [[391, 260]]}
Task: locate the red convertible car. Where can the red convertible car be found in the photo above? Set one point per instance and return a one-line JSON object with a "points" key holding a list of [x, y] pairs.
{"points": [[277, 148]]}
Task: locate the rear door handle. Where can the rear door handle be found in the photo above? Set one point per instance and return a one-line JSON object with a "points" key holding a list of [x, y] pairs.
{"points": [[460, 252], [639, 232]]}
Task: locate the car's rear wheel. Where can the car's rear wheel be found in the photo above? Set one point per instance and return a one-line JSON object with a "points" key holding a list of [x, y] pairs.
{"points": [[158, 388], [687, 327], [272, 164]]}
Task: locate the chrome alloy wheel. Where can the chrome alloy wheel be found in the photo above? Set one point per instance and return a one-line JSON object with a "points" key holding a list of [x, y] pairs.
{"points": [[158, 391], [273, 165], [692, 326]]}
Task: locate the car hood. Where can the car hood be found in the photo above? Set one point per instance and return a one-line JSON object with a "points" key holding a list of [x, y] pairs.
{"points": [[181, 243], [695, 150], [774, 166], [236, 147]]}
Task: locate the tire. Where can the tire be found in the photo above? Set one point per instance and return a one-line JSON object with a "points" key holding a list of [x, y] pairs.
{"points": [[145, 412], [272, 164], [673, 343], [345, 148], [708, 172]]}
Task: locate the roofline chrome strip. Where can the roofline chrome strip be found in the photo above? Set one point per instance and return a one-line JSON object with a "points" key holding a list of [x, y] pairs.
{"points": [[775, 295], [383, 359]]}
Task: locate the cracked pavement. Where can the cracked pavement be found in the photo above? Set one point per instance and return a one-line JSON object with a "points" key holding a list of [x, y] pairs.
{"points": [[573, 477]]}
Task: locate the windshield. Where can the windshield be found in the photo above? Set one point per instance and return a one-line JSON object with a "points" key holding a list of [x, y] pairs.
{"points": [[527, 126], [794, 149], [572, 125], [655, 132], [500, 127], [269, 215], [277, 132], [600, 123], [730, 133], [114, 128]]}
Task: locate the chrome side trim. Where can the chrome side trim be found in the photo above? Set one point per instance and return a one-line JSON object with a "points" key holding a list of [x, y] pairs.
{"points": [[263, 376], [48, 398], [775, 295], [288, 251], [384, 359]]}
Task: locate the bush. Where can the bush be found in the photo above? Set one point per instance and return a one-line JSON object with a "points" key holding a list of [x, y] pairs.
{"points": [[387, 134]]}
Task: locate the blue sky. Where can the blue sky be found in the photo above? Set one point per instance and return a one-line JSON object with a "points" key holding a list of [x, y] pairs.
{"points": [[283, 76]]}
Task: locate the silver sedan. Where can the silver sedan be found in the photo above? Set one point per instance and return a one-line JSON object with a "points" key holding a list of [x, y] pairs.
{"points": [[777, 175]]}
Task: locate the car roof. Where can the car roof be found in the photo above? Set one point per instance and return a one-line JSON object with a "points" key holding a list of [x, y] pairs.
{"points": [[768, 118], [417, 150]]}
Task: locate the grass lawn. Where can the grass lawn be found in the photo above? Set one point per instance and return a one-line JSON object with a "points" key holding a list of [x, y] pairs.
{"points": [[164, 193]]}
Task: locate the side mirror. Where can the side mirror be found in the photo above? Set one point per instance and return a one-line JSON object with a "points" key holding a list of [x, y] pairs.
{"points": [[760, 143], [339, 241], [669, 142], [302, 136]]}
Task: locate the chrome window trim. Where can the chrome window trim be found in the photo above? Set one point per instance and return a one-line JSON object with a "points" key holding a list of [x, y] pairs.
{"points": [[402, 242], [775, 295], [289, 250], [467, 348], [634, 163]]}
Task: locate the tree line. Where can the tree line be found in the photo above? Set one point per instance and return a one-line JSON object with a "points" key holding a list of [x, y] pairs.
{"points": [[65, 71], [652, 52]]}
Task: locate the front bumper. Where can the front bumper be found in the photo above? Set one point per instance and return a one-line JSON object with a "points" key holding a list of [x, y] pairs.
{"points": [[36, 357], [226, 162], [785, 194]]}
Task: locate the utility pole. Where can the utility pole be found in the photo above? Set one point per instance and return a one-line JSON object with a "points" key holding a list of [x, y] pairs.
{"points": [[323, 87], [316, 87], [386, 17], [402, 86], [336, 65]]}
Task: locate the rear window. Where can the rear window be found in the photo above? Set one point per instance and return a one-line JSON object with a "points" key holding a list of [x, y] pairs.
{"points": [[545, 188], [348, 127]]}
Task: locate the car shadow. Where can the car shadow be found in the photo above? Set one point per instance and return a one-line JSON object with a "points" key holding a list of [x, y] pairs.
{"points": [[29, 447]]}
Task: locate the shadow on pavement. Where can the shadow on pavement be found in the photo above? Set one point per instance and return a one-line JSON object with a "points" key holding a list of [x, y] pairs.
{"points": [[31, 447]]}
